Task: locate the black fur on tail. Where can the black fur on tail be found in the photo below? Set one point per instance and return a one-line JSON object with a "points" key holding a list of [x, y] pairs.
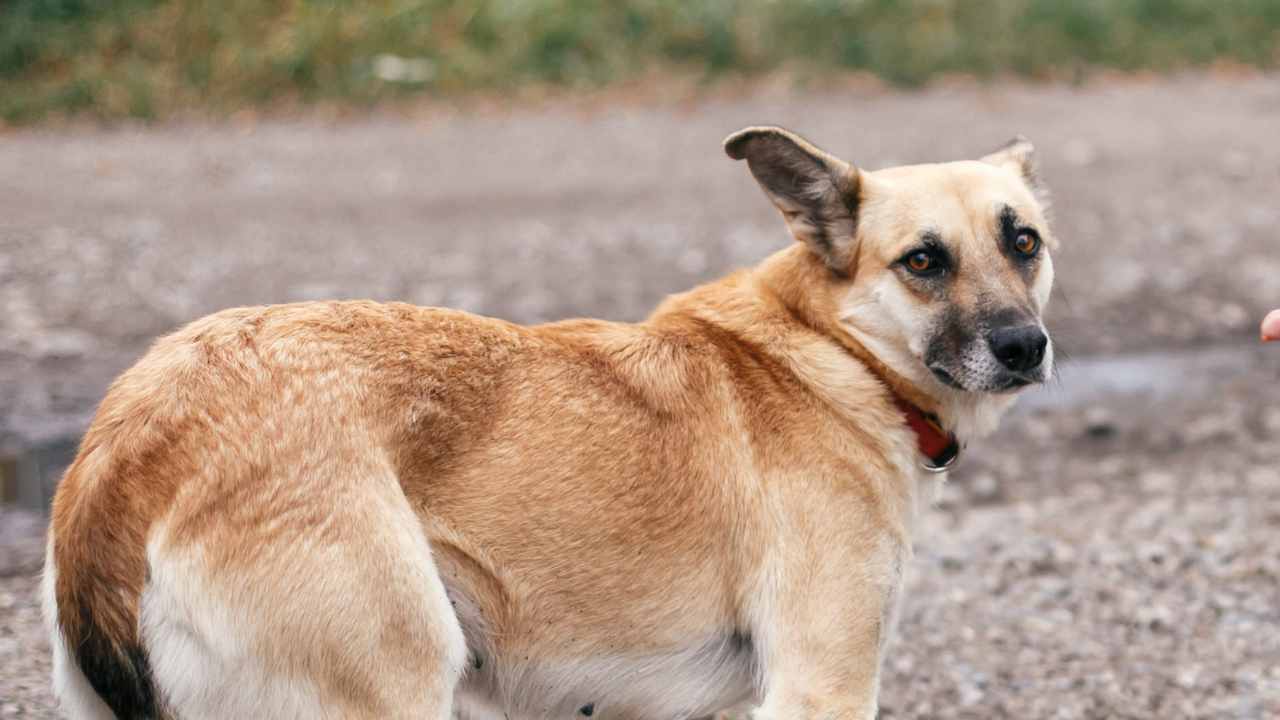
{"points": [[120, 676]]}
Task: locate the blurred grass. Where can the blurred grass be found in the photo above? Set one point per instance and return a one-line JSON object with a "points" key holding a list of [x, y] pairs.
{"points": [[151, 58]]}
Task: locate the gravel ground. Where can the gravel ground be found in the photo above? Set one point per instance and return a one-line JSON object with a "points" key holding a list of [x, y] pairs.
{"points": [[1111, 554]]}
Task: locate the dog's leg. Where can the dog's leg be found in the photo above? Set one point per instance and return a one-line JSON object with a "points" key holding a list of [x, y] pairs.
{"points": [[827, 641], [305, 600], [811, 689]]}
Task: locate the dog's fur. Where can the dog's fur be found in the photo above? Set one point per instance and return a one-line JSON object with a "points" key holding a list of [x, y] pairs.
{"points": [[363, 510]]}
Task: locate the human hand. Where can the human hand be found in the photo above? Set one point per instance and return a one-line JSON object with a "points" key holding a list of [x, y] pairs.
{"points": [[1271, 326]]}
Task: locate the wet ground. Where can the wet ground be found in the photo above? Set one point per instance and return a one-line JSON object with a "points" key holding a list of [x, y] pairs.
{"points": [[1112, 553]]}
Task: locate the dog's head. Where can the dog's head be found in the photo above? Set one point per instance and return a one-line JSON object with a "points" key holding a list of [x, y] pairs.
{"points": [[940, 271]]}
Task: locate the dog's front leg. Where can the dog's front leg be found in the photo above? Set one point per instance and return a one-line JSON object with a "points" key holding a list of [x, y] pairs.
{"points": [[825, 690], [823, 653]]}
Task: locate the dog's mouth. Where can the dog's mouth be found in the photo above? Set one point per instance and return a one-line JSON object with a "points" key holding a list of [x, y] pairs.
{"points": [[1015, 382], [1008, 382]]}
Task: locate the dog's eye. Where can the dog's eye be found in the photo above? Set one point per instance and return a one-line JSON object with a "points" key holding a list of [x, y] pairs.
{"points": [[1027, 243], [922, 262]]}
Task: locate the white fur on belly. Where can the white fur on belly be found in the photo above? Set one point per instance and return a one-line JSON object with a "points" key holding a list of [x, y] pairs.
{"points": [[687, 683]]}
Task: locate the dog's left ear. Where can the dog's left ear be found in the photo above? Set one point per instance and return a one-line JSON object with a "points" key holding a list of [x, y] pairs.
{"points": [[816, 193], [1019, 156]]}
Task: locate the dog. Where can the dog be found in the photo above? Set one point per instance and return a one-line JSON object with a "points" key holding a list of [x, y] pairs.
{"points": [[362, 510]]}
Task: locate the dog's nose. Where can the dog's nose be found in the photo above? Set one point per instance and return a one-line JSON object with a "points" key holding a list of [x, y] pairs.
{"points": [[1018, 348]]}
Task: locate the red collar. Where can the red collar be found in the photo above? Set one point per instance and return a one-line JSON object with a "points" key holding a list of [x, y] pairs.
{"points": [[939, 447]]}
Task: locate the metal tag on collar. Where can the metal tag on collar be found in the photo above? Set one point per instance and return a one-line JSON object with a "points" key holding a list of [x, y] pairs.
{"points": [[947, 463]]}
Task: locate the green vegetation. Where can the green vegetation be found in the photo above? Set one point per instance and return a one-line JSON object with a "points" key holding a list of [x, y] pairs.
{"points": [[149, 58]]}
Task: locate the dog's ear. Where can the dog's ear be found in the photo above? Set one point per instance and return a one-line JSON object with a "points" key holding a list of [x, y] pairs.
{"points": [[1019, 156], [816, 192]]}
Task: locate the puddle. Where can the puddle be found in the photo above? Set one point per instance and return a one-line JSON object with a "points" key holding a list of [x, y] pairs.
{"points": [[1152, 375], [27, 479]]}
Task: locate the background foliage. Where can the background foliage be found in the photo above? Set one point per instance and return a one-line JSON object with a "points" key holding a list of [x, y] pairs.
{"points": [[148, 58]]}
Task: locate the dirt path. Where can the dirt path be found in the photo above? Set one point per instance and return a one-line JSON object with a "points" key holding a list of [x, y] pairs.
{"points": [[1112, 554], [1165, 197]]}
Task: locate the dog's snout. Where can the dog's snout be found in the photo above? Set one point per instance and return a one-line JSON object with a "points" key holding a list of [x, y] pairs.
{"points": [[1019, 348]]}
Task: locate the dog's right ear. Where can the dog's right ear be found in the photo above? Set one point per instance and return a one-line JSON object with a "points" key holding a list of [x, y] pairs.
{"points": [[816, 193], [1019, 156]]}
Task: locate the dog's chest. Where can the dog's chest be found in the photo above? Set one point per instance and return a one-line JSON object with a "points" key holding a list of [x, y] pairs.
{"points": [[675, 685]]}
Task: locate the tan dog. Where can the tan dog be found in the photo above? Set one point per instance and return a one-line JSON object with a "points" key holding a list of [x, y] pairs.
{"points": [[376, 511]]}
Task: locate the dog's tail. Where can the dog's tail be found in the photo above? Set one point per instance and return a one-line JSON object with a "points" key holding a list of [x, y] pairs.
{"points": [[91, 604]]}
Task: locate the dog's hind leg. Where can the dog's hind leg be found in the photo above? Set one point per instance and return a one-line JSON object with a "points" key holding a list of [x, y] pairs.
{"points": [[304, 600]]}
